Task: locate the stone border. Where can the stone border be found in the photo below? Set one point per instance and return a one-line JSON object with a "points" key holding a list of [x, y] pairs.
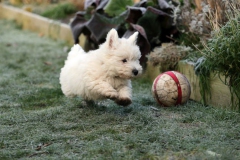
{"points": [[220, 93], [43, 26]]}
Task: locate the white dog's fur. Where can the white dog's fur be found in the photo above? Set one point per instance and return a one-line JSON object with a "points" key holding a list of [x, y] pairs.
{"points": [[102, 73]]}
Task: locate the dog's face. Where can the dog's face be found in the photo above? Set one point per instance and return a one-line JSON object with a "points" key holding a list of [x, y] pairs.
{"points": [[123, 56]]}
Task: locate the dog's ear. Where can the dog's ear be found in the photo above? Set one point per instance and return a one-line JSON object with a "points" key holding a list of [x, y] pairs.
{"points": [[112, 39], [133, 38]]}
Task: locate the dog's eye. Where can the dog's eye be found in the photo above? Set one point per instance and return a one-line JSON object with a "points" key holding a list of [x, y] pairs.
{"points": [[124, 60]]}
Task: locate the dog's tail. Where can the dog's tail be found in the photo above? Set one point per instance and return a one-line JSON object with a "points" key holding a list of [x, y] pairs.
{"points": [[75, 51]]}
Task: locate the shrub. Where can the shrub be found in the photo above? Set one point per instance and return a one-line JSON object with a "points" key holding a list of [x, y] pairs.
{"points": [[221, 56]]}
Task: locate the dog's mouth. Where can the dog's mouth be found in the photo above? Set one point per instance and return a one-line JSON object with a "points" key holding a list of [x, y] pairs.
{"points": [[127, 76], [123, 77]]}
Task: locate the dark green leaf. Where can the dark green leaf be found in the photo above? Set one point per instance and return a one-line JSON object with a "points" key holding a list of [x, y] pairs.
{"points": [[116, 7], [99, 25], [134, 13], [78, 26]]}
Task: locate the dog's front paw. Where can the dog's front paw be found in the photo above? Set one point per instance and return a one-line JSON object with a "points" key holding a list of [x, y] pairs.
{"points": [[111, 95], [123, 101]]}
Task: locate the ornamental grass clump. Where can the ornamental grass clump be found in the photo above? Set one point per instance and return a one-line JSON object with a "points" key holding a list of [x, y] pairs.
{"points": [[221, 56], [168, 55]]}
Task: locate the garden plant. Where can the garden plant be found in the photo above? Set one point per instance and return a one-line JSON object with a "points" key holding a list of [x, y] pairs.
{"points": [[221, 57]]}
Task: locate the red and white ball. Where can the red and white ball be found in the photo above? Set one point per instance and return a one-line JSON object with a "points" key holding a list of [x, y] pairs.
{"points": [[171, 88]]}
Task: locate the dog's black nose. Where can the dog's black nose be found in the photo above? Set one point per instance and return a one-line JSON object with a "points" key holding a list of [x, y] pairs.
{"points": [[135, 72]]}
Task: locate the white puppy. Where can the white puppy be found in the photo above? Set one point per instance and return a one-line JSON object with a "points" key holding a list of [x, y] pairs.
{"points": [[104, 73]]}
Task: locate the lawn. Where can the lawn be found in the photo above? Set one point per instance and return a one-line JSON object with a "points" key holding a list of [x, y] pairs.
{"points": [[38, 122]]}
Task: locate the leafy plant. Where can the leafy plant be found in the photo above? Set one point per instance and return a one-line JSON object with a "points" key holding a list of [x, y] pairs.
{"points": [[221, 56], [152, 19], [115, 8]]}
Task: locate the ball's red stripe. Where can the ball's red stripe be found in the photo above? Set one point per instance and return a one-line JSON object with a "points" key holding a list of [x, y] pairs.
{"points": [[174, 77], [155, 88]]}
